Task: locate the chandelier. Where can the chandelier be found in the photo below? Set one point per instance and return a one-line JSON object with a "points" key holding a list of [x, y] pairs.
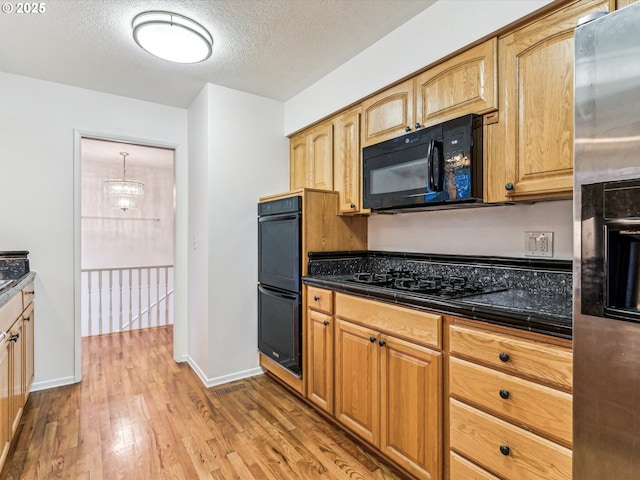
{"points": [[124, 194]]}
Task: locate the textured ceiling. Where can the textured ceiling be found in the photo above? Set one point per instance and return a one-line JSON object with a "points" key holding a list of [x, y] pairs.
{"points": [[272, 48]]}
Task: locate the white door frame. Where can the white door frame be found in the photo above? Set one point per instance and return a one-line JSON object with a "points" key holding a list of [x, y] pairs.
{"points": [[180, 328]]}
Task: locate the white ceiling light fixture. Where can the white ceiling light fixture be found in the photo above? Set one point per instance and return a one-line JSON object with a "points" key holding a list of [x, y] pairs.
{"points": [[124, 194], [172, 37]]}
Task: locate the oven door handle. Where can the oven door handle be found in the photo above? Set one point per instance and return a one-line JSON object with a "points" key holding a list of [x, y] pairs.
{"points": [[277, 293], [279, 217]]}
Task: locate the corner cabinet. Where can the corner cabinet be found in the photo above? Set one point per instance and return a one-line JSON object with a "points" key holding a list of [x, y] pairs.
{"points": [[16, 363], [388, 380], [531, 149]]}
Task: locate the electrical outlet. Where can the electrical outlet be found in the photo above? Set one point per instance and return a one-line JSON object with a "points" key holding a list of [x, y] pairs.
{"points": [[538, 244]]}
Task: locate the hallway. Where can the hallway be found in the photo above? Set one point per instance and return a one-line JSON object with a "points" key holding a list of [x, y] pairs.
{"points": [[139, 415]]}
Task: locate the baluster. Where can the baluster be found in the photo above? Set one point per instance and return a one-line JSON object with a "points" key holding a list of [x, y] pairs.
{"points": [[120, 308], [130, 297], [148, 297], [157, 296], [90, 317], [139, 298], [110, 301], [166, 295], [100, 302]]}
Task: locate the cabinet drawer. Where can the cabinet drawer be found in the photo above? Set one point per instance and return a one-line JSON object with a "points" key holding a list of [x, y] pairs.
{"points": [[540, 361], [320, 299], [28, 293], [462, 469], [10, 312], [527, 404], [413, 325], [481, 437]]}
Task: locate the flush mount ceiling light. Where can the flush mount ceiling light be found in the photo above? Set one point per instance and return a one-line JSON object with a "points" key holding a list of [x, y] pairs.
{"points": [[173, 37], [124, 194]]}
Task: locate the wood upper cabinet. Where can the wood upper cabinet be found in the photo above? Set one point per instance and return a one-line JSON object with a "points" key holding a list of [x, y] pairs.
{"points": [[311, 158], [347, 161], [387, 114], [466, 83], [532, 153]]}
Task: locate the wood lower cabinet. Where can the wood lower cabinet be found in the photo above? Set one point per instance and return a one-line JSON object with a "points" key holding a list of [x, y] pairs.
{"points": [[531, 152], [16, 363], [388, 387], [510, 404], [319, 358]]}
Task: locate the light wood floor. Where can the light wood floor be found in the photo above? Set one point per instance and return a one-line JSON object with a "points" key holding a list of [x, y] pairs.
{"points": [[139, 415]]}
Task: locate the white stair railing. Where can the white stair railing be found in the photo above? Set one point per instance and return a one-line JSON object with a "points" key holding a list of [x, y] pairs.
{"points": [[126, 298]]}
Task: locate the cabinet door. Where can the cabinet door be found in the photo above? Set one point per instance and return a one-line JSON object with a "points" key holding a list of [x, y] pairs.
{"points": [[298, 162], [387, 114], [17, 379], [347, 168], [320, 159], [536, 105], [357, 363], [411, 406], [5, 401], [464, 84], [28, 358], [320, 359]]}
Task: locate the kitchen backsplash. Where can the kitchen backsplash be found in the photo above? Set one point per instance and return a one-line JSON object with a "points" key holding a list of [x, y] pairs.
{"points": [[549, 277]]}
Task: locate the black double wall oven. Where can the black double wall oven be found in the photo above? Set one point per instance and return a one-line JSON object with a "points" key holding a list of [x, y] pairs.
{"points": [[279, 281]]}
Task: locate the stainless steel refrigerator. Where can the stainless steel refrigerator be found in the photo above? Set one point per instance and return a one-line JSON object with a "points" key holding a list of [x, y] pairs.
{"points": [[606, 325]]}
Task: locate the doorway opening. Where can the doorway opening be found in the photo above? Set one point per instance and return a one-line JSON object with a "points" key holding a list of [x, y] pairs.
{"points": [[127, 254]]}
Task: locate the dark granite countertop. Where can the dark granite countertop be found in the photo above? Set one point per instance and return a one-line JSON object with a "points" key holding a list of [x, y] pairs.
{"points": [[538, 297], [14, 274]]}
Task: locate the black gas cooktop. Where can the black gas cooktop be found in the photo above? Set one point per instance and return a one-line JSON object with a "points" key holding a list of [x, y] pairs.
{"points": [[435, 285]]}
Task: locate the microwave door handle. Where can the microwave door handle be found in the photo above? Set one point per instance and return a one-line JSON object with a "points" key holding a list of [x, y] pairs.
{"points": [[432, 185]]}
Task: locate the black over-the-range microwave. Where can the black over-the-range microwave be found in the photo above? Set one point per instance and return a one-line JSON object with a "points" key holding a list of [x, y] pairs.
{"points": [[438, 165]]}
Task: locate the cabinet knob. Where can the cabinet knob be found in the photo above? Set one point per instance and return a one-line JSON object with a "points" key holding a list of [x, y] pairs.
{"points": [[407, 128], [28, 319], [504, 394], [504, 450], [508, 186], [326, 322], [316, 298], [15, 337], [372, 339], [353, 205], [382, 343], [418, 125], [504, 357]]}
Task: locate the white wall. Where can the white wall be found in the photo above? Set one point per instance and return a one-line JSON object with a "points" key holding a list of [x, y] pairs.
{"points": [[113, 238], [246, 157], [37, 122], [416, 44]]}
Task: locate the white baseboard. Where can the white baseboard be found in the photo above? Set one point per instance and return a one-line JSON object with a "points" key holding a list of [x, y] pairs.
{"points": [[212, 382], [56, 382]]}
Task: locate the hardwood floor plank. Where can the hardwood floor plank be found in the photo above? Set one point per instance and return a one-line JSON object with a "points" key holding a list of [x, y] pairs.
{"points": [[138, 415]]}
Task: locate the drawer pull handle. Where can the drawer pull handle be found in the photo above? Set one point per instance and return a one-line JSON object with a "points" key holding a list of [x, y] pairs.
{"points": [[372, 339], [326, 322], [504, 394], [504, 357], [382, 343], [504, 450], [316, 298], [32, 292], [14, 338]]}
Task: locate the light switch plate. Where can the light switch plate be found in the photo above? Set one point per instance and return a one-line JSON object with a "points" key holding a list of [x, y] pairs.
{"points": [[538, 244]]}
